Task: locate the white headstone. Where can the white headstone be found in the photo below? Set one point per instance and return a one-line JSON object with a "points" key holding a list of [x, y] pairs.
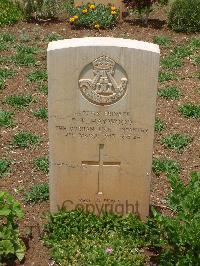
{"points": [[102, 100]]}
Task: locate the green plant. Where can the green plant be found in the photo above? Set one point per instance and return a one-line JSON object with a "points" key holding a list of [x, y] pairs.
{"points": [[184, 15], [169, 93], [11, 244], [194, 43], [42, 113], [42, 164], [7, 37], [176, 141], [25, 139], [4, 167], [171, 62], [166, 76], [44, 89], [162, 40], [159, 125], [10, 12], [190, 110], [53, 37], [24, 59], [19, 101], [177, 237], [93, 16], [37, 76], [165, 166], [5, 118], [41, 9], [38, 193], [196, 59], [182, 51], [3, 46], [6, 73], [27, 49], [82, 238], [2, 84], [24, 37]]}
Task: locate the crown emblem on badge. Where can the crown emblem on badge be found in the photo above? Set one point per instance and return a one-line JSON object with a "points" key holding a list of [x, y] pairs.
{"points": [[103, 63]]}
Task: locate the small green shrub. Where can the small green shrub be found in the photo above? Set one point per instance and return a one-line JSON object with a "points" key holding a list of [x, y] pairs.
{"points": [[44, 89], [6, 118], [6, 73], [177, 237], [37, 76], [7, 37], [169, 93], [10, 242], [196, 59], [190, 110], [41, 9], [162, 40], [10, 12], [19, 101], [176, 141], [25, 139], [4, 167], [171, 62], [2, 84], [24, 59], [93, 16], [80, 238], [53, 37], [165, 166], [159, 125], [38, 193], [184, 15], [42, 113], [182, 51], [166, 76], [194, 43], [3, 46], [42, 164], [24, 37]]}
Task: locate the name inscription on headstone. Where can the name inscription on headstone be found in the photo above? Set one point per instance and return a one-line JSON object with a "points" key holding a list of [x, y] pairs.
{"points": [[90, 124]]}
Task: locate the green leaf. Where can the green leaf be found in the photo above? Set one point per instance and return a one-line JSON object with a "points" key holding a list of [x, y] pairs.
{"points": [[20, 252], [5, 211]]}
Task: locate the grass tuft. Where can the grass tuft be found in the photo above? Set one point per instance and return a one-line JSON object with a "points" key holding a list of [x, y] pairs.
{"points": [[190, 110], [167, 166], [19, 101], [38, 193], [176, 141], [42, 164], [42, 113], [159, 125], [169, 93], [162, 40], [37, 76], [6, 118], [25, 139], [166, 76], [4, 167]]}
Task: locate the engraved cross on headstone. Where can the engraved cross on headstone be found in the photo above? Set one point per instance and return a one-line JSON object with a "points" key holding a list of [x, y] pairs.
{"points": [[101, 165]]}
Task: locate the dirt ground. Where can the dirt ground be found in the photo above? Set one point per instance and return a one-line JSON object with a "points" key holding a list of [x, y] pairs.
{"points": [[24, 174]]}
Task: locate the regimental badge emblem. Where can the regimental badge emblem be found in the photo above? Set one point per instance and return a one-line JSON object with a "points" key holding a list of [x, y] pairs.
{"points": [[103, 82]]}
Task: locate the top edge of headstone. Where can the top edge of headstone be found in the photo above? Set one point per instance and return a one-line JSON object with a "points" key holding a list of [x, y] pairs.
{"points": [[104, 42]]}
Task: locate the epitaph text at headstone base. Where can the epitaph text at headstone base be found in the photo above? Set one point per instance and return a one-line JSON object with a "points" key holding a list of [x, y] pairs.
{"points": [[102, 94]]}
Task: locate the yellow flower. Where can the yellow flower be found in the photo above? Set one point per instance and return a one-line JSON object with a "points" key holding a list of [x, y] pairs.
{"points": [[113, 8], [71, 20], [84, 10], [75, 17], [97, 26], [113, 12], [92, 6]]}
